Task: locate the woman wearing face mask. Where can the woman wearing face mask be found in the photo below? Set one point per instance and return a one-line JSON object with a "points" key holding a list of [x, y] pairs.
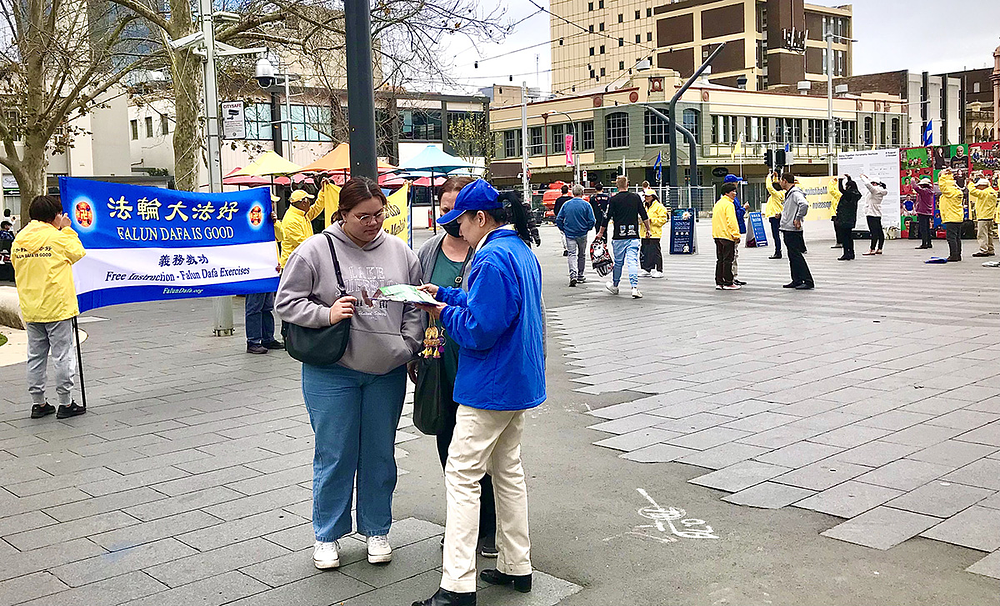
{"points": [[354, 406], [498, 328], [445, 261]]}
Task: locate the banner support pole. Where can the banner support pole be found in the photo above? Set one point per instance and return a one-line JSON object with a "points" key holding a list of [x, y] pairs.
{"points": [[79, 360]]}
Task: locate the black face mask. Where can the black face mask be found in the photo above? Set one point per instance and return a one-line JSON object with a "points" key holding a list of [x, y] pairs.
{"points": [[453, 229]]}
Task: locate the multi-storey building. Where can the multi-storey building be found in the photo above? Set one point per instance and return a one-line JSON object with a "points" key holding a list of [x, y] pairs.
{"points": [[596, 43]]}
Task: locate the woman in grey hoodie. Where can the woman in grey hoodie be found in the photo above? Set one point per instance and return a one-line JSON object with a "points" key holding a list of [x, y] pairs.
{"points": [[354, 406]]}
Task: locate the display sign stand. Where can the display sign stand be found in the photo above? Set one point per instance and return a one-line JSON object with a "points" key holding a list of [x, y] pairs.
{"points": [[79, 361], [756, 235]]}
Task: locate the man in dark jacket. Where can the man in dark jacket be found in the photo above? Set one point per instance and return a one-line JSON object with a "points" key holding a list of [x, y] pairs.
{"points": [[599, 203], [847, 215]]}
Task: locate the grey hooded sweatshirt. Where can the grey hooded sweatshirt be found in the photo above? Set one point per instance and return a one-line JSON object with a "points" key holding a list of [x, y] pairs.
{"points": [[384, 335]]}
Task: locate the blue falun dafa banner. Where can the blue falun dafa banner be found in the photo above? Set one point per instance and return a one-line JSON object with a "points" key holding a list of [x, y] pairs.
{"points": [[153, 244]]}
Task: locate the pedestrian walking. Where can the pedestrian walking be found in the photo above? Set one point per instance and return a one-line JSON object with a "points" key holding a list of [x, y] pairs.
{"points": [[43, 254], [599, 202], [924, 207], [726, 232], [446, 261], [833, 188], [354, 405], [575, 220], [626, 210], [772, 210], [650, 254], [258, 307], [847, 215], [795, 208], [501, 374], [873, 213], [985, 199], [952, 212]]}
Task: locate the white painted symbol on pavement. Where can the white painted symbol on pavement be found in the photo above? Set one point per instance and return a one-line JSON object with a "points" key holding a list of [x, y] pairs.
{"points": [[664, 518]]}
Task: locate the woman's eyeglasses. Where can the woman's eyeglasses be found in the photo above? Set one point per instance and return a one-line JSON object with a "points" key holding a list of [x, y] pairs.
{"points": [[367, 219]]}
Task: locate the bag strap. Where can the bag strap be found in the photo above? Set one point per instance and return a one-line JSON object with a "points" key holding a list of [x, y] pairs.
{"points": [[336, 265], [460, 278]]}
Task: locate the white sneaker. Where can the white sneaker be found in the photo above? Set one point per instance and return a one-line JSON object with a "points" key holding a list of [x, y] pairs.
{"points": [[581, 280], [732, 287], [656, 273], [326, 555], [379, 551], [636, 294], [645, 273], [611, 288]]}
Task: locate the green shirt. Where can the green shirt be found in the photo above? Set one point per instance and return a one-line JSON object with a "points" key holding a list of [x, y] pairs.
{"points": [[445, 273]]}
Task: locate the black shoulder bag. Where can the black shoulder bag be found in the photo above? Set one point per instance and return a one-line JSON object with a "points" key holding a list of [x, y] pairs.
{"points": [[322, 347], [432, 394]]}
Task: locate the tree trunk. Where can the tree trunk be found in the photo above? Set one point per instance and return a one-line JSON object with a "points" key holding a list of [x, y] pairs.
{"points": [[32, 175], [187, 130]]}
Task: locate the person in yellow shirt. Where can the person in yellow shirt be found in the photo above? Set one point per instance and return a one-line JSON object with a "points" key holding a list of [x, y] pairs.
{"points": [[296, 225], [650, 252], [726, 232], [43, 254], [985, 199], [833, 188], [952, 212], [772, 210]]}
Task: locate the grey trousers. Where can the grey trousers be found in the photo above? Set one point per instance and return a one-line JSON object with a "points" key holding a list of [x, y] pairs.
{"points": [[577, 248], [55, 339]]}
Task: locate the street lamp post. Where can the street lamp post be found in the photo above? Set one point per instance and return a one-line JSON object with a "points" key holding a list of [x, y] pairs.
{"points": [[576, 146], [525, 181], [831, 125]]}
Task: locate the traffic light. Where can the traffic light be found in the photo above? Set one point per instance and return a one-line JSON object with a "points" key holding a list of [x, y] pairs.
{"points": [[779, 157], [769, 158]]}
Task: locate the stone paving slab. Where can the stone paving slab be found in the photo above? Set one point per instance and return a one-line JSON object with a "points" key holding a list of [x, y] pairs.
{"points": [[881, 528]]}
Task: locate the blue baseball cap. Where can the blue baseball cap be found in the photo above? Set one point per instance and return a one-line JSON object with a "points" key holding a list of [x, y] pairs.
{"points": [[478, 195], [731, 178]]}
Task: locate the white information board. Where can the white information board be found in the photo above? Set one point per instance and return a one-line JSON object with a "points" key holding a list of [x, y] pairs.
{"points": [[878, 165], [234, 124]]}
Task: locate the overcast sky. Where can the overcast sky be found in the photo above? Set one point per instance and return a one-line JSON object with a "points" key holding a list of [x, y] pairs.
{"points": [[921, 35]]}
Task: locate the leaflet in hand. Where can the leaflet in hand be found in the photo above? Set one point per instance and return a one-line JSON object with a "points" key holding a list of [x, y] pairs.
{"points": [[404, 293]]}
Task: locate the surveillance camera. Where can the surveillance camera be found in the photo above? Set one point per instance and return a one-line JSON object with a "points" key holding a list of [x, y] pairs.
{"points": [[264, 73]]}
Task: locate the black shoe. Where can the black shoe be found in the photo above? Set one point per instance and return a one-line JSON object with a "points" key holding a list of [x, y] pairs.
{"points": [[954, 259], [845, 258], [792, 285], [739, 282], [42, 410], [572, 282], [488, 547], [72, 410], [493, 576], [774, 257], [443, 597], [256, 348], [980, 254], [924, 246], [837, 246], [804, 287], [565, 253], [273, 344]]}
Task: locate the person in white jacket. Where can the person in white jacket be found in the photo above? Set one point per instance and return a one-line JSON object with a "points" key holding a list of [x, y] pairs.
{"points": [[873, 210]]}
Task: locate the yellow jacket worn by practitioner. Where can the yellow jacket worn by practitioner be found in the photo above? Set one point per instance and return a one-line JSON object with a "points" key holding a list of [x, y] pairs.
{"points": [[951, 199], [658, 217], [43, 259], [985, 201], [296, 226], [833, 188], [724, 223], [775, 200]]}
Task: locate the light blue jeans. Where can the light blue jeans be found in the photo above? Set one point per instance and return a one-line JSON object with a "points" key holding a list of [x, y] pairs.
{"points": [[626, 251], [354, 416]]}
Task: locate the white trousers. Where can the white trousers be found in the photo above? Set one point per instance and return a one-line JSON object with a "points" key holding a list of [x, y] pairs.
{"points": [[485, 441]]}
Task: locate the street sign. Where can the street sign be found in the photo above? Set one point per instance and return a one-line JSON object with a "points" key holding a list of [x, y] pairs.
{"points": [[234, 124]]}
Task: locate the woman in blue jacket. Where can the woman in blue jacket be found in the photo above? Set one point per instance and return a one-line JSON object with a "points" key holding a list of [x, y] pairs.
{"points": [[501, 373]]}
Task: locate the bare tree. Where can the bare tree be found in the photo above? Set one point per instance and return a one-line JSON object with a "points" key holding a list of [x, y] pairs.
{"points": [[58, 60], [471, 138]]}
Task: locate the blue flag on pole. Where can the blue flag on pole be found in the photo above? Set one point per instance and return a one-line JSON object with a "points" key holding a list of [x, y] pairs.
{"points": [[928, 135], [153, 244], [658, 165]]}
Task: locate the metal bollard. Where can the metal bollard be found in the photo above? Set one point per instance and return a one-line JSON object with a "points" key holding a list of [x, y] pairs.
{"points": [[222, 310]]}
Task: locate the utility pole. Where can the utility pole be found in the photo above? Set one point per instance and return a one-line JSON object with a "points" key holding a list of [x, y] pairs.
{"points": [[360, 88], [829, 102], [525, 182]]}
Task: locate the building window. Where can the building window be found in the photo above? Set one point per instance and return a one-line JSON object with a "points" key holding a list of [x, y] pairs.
{"points": [[638, 38], [600, 4], [656, 130], [616, 127], [314, 123], [590, 6], [621, 18], [649, 36], [558, 138], [149, 127], [621, 66], [649, 12], [258, 121], [586, 135], [869, 131], [975, 87], [638, 15], [601, 26], [724, 129], [978, 134], [591, 51], [848, 134], [602, 71], [135, 129], [895, 131], [590, 28], [621, 41], [826, 63], [593, 73], [417, 124], [690, 120], [164, 124], [536, 144], [602, 49], [512, 143], [881, 131]]}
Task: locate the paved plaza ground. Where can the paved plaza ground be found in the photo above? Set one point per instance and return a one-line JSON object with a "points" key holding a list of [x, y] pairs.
{"points": [[765, 446]]}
